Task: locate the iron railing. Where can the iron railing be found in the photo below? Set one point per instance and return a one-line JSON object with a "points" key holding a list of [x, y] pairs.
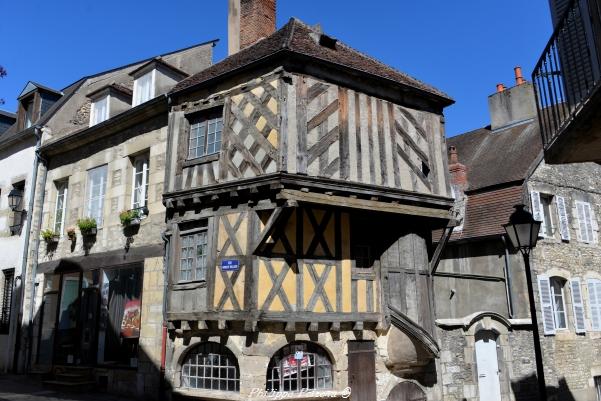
{"points": [[568, 72]]}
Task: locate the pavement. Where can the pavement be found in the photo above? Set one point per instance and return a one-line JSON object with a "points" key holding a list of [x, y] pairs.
{"points": [[24, 388]]}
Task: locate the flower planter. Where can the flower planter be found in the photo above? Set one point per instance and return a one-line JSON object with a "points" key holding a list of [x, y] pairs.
{"points": [[52, 240], [89, 232]]}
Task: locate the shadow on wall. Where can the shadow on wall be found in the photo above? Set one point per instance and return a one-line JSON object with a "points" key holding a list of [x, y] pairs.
{"points": [[526, 390]]}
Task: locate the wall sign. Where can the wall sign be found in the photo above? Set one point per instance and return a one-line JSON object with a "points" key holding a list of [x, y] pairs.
{"points": [[230, 265]]}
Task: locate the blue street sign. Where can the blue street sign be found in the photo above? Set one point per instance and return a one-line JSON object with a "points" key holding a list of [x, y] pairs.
{"points": [[230, 265]]}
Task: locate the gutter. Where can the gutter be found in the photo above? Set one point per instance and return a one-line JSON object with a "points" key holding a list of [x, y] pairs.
{"points": [[162, 381], [508, 278]]}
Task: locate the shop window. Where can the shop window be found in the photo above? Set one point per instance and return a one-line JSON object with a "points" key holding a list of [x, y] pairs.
{"points": [[299, 366], [121, 303], [211, 366]]}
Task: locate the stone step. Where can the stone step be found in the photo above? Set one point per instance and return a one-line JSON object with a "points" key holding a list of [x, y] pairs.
{"points": [[74, 377], [70, 386]]}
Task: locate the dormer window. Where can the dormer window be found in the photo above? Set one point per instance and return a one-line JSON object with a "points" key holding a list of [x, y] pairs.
{"points": [[144, 88], [100, 110]]}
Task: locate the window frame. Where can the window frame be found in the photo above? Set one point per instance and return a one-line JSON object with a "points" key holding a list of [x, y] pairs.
{"points": [[61, 184], [136, 94], [145, 157], [89, 214], [204, 228], [204, 117], [561, 283], [594, 284], [587, 223], [205, 349], [94, 111], [28, 109], [308, 348]]}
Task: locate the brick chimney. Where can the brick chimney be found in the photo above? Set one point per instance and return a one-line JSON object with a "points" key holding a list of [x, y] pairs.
{"points": [[248, 22], [457, 170]]}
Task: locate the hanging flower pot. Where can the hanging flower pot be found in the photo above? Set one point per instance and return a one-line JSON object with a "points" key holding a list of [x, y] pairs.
{"points": [[50, 236], [130, 218], [87, 226]]}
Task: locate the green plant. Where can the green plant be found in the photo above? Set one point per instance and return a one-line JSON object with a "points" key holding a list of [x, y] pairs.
{"points": [[127, 216], [86, 224], [48, 235]]}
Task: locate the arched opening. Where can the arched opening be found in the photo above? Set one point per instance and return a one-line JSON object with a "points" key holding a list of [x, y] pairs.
{"points": [[407, 391], [299, 366], [210, 366]]}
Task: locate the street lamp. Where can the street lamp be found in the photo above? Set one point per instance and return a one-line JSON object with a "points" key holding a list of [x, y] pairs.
{"points": [[14, 199], [522, 231]]}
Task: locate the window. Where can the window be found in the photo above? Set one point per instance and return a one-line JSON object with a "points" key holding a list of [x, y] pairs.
{"points": [[205, 136], [96, 190], [594, 296], [541, 210], [193, 256], [28, 106], [139, 197], [61, 206], [211, 366], [144, 88], [562, 212], [299, 366], [100, 110], [7, 295], [585, 221], [559, 306]]}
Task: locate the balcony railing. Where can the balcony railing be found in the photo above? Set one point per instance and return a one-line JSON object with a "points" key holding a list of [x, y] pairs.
{"points": [[568, 72]]}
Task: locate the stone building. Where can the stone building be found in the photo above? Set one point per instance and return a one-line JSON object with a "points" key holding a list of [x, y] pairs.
{"points": [[19, 142], [303, 180], [95, 282], [482, 311]]}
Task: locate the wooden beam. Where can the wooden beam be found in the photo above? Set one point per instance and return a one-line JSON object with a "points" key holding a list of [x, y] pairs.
{"points": [[373, 205], [313, 326], [444, 239], [335, 326], [269, 228], [358, 326], [222, 325], [202, 325], [290, 327]]}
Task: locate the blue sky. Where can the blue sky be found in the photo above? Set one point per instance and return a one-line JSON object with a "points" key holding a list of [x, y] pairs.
{"points": [[463, 47]]}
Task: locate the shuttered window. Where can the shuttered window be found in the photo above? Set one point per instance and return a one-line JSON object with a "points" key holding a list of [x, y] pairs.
{"points": [[564, 224], [577, 305], [542, 211], [594, 296], [559, 305], [546, 302], [7, 295], [585, 221]]}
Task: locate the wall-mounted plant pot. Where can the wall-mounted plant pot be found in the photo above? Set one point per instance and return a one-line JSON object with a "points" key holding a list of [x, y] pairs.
{"points": [[90, 232], [53, 240]]}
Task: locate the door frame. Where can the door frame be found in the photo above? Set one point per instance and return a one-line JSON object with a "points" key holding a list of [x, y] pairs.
{"points": [[495, 338]]}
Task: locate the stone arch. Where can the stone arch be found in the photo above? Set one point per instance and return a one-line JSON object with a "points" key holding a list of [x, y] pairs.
{"points": [[407, 391], [486, 320]]}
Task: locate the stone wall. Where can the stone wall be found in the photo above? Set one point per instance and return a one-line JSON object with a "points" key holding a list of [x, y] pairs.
{"points": [[571, 360]]}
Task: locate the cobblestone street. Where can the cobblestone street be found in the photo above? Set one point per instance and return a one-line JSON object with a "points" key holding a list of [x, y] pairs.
{"points": [[23, 388]]}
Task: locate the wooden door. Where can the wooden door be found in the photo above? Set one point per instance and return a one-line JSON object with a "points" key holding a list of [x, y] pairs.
{"points": [[488, 367], [407, 391], [362, 370]]}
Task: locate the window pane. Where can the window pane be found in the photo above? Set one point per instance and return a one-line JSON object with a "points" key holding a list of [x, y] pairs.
{"points": [[210, 366], [97, 187]]}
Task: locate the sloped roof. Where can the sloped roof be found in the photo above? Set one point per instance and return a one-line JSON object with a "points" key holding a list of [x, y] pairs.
{"points": [[486, 212], [31, 86], [298, 38], [497, 157]]}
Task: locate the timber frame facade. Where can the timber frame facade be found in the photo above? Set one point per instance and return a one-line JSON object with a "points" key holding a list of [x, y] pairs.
{"points": [[309, 226]]}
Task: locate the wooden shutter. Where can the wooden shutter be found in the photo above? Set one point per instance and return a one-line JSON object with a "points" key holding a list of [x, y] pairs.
{"points": [[537, 212], [577, 305], [562, 212], [362, 370], [594, 297], [546, 304], [588, 220]]}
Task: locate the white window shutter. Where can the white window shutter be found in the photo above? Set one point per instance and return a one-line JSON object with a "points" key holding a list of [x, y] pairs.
{"points": [[594, 297], [537, 212], [577, 305], [562, 212], [582, 233], [588, 219], [546, 304]]}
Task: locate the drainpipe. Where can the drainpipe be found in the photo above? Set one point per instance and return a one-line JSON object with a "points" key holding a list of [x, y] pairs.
{"points": [[164, 327], [508, 277], [21, 301]]}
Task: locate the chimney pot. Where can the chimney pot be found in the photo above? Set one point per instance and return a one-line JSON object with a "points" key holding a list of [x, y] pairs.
{"points": [[519, 79], [500, 88]]}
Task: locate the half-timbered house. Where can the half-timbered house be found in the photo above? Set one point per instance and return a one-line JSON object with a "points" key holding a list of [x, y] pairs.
{"points": [[303, 180]]}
